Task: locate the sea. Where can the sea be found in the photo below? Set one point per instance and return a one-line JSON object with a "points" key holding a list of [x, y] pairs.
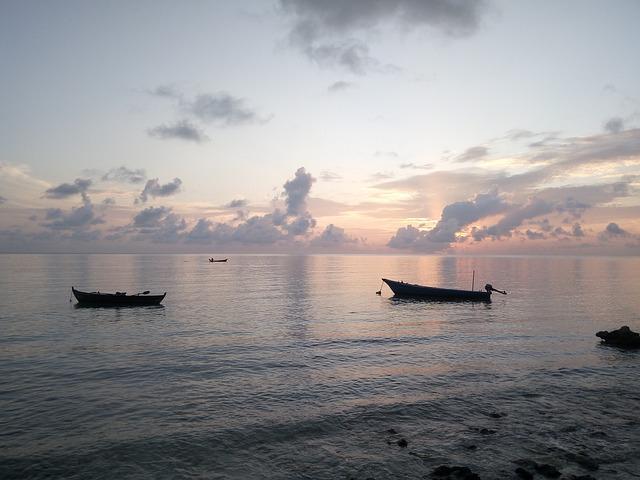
{"points": [[291, 367]]}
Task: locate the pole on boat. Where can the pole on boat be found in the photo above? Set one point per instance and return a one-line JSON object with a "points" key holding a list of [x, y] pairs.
{"points": [[473, 280]]}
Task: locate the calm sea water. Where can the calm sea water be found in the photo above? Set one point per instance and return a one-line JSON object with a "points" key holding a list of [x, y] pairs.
{"points": [[292, 367]]}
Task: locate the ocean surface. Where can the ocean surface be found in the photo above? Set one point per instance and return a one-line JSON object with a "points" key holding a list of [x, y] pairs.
{"points": [[291, 367]]}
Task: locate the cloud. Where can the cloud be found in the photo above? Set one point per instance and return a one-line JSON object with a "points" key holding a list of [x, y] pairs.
{"points": [[324, 31], [236, 203], [614, 125], [340, 86], [2, 199], [614, 230], [167, 91], [66, 190], [514, 218], [220, 108], [577, 231], [453, 219], [154, 189], [328, 176], [376, 177], [159, 225], [109, 201], [296, 192], [473, 153], [181, 130], [424, 166], [150, 216], [125, 175], [78, 218], [333, 236]]}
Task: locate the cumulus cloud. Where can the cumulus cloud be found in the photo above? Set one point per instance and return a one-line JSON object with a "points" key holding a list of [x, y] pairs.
{"points": [[77, 219], [297, 190], [453, 219], [66, 190], [125, 175], [154, 189], [340, 86], [236, 203], [324, 31], [181, 130], [513, 219], [333, 236], [614, 230]]}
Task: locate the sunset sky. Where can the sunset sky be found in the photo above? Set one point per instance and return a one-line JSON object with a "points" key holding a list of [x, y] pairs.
{"points": [[371, 126]]}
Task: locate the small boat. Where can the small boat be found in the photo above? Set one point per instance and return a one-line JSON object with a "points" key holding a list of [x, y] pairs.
{"points": [[118, 299], [218, 261], [402, 289]]}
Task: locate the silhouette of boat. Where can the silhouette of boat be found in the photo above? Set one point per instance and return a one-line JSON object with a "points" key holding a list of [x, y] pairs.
{"points": [[402, 289], [218, 261], [117, 299]]}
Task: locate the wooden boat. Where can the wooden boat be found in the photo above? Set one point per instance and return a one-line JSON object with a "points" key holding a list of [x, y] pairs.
{"points": [[401, 289], [218, 261], [118, 299]]}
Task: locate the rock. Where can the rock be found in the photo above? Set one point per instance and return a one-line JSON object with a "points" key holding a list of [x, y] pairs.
{"points": [[470, 447], [581, 477], [487, 431], [392, 431], [442, 471], [624, 337], [496, 415], [457, 473], [524, 474], [402, 443], [547, 470], [584, 461]]}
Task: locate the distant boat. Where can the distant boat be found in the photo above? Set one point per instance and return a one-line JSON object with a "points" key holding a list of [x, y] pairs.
{"points": [[218, 261], [401, 289], [118, 299]]}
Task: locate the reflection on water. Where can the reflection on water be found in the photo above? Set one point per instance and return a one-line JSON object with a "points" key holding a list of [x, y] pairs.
{"points": [[292, 367]]}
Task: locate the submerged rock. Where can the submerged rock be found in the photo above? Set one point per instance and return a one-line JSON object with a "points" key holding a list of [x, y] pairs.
{"points": [[524, 474], [624, 337], [457, 473], [402, 443], [547, 470]]}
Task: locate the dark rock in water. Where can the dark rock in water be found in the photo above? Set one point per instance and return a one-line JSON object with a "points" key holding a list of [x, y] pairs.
{"points": [[487, 431], [470, 447], [584, 461], [392, 431], [496, 415], [547, 470], [624, 337], [442, 471], [581, 477], [524, 474], [403, 443], [457, 473]]}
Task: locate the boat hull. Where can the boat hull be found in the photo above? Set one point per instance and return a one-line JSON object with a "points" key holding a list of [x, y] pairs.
{"points": [[409, 290], [113, 300]]}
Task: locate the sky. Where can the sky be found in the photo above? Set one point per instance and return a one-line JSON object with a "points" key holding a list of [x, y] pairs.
{"points": [[312, 126]]}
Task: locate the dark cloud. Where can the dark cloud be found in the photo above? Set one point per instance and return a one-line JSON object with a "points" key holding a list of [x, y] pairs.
{"points": [[220, 108], [66, 190], [324, 31], [577, 231], [236, 203], [533, 235], [453, 219], [333, 236], [153, 189], [150, 216], [513, 219], [614, 125], [296, 192], [181, 130], [613, 229], [109, 201], [2, 199], [77, 219], [125, 175], [340, 86], [473, 153]]}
